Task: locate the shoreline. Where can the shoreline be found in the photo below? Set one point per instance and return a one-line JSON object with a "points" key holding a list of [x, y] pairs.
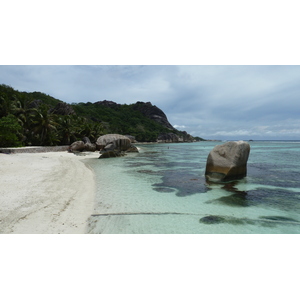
{"points": [[46, 192]]}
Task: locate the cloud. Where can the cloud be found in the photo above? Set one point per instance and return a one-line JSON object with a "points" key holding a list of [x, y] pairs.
{"points": [[211, 101], [179, 126]]}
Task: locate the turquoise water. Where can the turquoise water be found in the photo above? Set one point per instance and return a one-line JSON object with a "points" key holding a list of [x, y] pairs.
{"points": [[162, 189]]}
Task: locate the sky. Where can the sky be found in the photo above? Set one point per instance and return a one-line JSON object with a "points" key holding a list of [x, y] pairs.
{"points": [[210, 101]]}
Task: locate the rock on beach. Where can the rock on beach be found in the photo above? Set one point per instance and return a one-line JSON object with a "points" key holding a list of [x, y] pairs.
{"points": [[120, 142], [227, 162]]}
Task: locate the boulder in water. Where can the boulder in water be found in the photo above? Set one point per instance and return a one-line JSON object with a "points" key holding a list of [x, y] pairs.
{"points": [[132, 149], [227, 162]]}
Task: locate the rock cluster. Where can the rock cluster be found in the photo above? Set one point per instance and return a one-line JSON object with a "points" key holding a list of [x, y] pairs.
{"points": [[174, 138], [121, 142], [227, 162], [110, 145], [114, 145], [168, 138], [84, 145], [107, 103]]}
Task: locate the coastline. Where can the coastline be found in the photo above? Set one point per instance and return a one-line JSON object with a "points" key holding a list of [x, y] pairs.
{"points": [[47, 192]]}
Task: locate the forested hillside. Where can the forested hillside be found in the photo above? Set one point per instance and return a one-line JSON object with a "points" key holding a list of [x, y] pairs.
{"points": [[28, 119]]}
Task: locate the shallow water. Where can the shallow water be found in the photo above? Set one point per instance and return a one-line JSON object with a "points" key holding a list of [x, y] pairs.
{"points": [[162, 189]]}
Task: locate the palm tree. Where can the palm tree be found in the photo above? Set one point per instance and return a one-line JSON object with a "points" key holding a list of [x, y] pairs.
{"points": [[45, 127], [6, 100], [25, 115], [92, 130], [67, 129]]}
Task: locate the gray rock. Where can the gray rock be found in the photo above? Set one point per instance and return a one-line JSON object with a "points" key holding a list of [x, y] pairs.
{"points": [[86, 140], [63, 109], [80, 146], [132, 149], [88, 145], [227, 162], [153, 113], [121, 142], [111, 153], [168, 138], [110, 147], [77, 146]]}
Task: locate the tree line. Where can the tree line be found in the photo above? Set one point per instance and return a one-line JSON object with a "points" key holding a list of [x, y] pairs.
{"points": [[37, 119], [26, 120]]}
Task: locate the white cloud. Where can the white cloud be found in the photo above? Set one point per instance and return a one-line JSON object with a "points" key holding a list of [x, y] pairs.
{"points": [[211, 101], [179, 126]]}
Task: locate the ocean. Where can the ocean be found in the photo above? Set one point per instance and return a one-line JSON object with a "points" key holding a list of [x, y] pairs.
{"points": [[162, 190]]}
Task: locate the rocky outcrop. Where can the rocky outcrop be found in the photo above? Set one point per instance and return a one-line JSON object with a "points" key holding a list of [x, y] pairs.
{"points": [[132, 149], [88, 145], [114, 145], [84, 145], [111, 150], [227, 162], [174, 138], [108, 103], [63, 109], [153, 113], [185, 137], [109, 154], [168, 138], [35, 103], [120, 142], [77, 146]]}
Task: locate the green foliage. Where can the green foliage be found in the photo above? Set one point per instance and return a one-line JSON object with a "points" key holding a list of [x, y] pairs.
{"points": [[122, 119], [27, 119], [44, 127], [10, 132], [46, 99]]}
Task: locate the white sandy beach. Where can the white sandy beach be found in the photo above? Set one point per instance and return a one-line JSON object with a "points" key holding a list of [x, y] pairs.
{"points": [[50, 192]]}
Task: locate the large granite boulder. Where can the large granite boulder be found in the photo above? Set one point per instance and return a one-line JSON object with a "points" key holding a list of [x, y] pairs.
{"points": [[120, 142], [109, 154], [90, 147], [132, 149], [77, 146], [227, 162]]}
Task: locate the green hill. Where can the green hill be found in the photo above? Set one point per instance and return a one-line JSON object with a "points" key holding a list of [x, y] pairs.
{"points": [[39, 119]]}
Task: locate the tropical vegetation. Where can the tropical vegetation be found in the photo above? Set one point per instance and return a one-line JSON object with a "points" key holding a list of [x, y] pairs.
{"points": [[35, 119]]}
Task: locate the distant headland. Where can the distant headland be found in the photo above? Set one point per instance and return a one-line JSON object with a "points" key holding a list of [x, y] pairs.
{"points": [[37, 119]]}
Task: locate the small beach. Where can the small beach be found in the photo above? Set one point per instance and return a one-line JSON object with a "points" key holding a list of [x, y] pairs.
{"points": [[50, 192]]}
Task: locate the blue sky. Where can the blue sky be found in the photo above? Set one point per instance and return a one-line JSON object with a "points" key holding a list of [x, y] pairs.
{"points": [[213, 102]]}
